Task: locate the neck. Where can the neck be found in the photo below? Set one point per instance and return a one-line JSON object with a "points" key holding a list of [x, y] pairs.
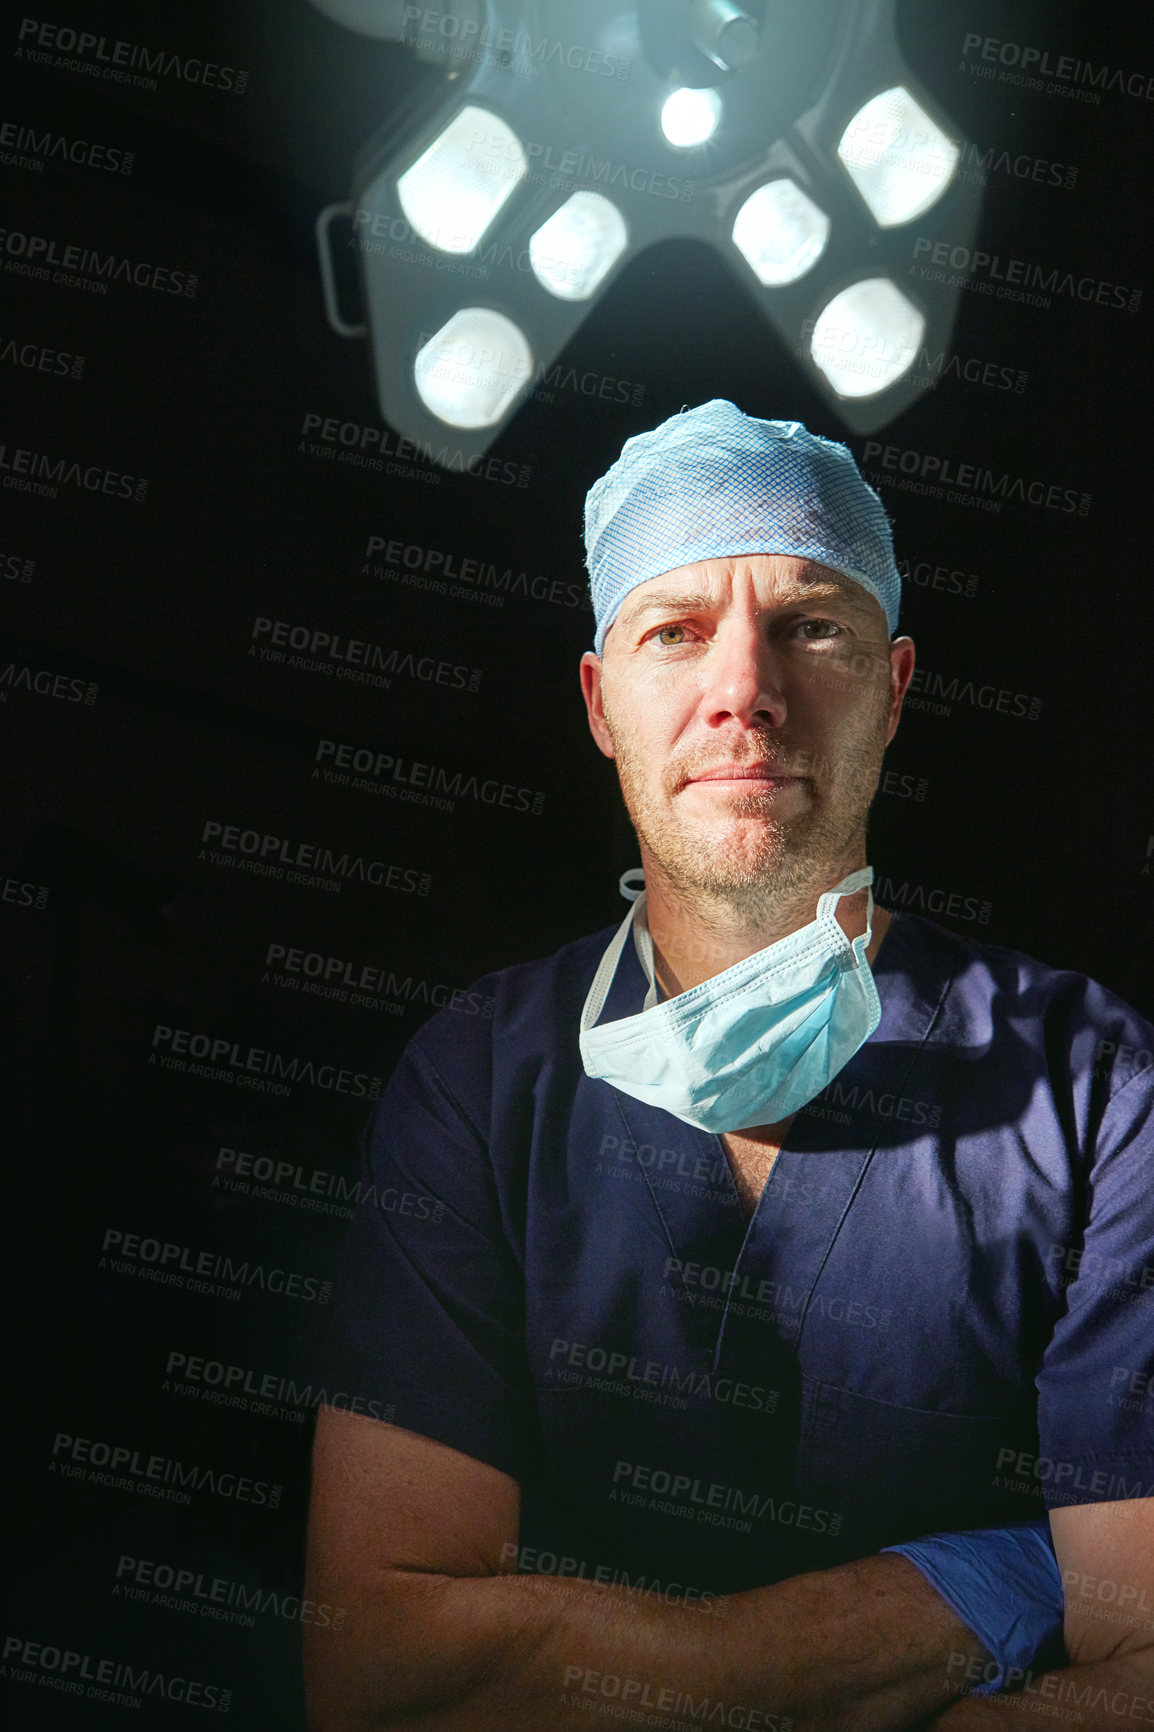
{"points": [[696, 935]]}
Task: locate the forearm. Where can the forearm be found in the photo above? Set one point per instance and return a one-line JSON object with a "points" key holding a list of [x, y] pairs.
{"points": [[861, 1648], [1108, 1696]]}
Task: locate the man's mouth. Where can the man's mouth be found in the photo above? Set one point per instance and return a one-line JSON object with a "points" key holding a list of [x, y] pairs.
{"points": [[750, 778]]}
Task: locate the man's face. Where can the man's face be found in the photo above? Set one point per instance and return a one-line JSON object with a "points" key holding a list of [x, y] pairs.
{"points": [[747, 702]]}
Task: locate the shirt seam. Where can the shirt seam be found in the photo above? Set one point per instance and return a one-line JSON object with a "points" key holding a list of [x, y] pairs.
{"points": [[1138, 1076], [418, 1052]]}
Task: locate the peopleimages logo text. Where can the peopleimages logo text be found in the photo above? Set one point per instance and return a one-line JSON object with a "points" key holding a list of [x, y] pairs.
{"points": [[435, 568], [119, 1464], [221, 1050], [367, 446], [120, 1683], [119, 60], [218, 1597], [1031, 65], [944, 477], [260, 1392], [269, 855], [177, 1261], [346, 765], [524, 52], [31, 471], [85, 266], [350, 656], [30, 148], [978, 269]]}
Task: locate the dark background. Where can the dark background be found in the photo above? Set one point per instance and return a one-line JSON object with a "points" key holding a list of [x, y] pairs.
{"points": [[1039, 829]]}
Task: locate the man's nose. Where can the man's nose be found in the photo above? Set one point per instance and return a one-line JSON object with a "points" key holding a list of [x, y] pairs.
{"points": [[743, 680]]}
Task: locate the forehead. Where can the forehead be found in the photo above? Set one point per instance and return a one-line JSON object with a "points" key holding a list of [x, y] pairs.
{"points": [[777, 580]]}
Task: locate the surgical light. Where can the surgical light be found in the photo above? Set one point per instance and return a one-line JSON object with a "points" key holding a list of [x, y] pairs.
{"points": [[469, 371], [898, 158], [867, 337], [780, 231], [450, 194], [500, 204], [690, 117], [575, 250]]}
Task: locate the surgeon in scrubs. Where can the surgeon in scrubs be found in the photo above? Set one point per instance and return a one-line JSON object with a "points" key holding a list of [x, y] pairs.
{"points": [[760, 1295]]}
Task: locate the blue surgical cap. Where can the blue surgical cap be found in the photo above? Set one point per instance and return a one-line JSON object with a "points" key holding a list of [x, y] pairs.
{"points": [[713, 481]]}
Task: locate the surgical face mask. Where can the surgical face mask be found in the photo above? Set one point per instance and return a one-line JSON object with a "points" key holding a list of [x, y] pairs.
{"points": [[751, 1045]]}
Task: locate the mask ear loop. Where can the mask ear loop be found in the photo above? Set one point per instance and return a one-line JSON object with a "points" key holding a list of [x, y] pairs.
{"points": [[862, 942], [603, 979], [606, 969], [861, 879], [643, 944], [632, 891]]}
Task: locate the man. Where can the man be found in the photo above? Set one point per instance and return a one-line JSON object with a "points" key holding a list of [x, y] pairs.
{"points": [[766, 1233]]}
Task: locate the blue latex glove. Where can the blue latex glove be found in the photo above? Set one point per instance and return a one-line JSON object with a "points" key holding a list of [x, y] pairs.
{"points": [[1004, 1583]]}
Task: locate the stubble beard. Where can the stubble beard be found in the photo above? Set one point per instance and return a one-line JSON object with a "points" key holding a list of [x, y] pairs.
{"points": [[755, 863]]}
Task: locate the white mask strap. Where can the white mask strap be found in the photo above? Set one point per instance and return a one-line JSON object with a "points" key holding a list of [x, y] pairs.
{"points": [[607, 968], [643, 941], [643, 944], [849, 886]]}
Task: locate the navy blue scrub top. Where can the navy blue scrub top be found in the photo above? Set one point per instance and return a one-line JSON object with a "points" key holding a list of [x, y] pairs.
{"points": [[940, 1316]]}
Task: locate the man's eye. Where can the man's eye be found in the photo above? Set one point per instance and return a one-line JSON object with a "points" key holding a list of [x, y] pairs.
{"points": [[814, 630], [668, 634]]}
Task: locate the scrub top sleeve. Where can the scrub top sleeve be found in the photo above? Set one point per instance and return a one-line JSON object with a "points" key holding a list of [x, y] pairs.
{"points": [[1096, 1383], [428, 1320]]}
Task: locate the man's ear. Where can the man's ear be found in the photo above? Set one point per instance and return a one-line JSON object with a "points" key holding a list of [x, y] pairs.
{"points": [[594, 708], [901, 673]]}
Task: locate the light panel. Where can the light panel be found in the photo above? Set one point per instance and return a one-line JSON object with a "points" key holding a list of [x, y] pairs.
{"points": [[793, 142], [898, 158], [780, 232], [690, 117], [867, 337], [469, 371], [448, 195], [575, 250]]}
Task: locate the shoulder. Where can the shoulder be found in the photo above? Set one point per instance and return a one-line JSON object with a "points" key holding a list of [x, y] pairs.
{"points": [[520, 1018], [1024, 982], [992, 990]]}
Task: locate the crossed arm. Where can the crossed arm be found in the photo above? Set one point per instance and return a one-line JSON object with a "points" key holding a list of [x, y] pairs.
{"points": [[1106, 1555], [410, 1537]]}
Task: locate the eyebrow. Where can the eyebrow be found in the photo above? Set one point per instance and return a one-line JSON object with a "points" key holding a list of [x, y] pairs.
{"points": [[807, 590], [683, 603]]}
